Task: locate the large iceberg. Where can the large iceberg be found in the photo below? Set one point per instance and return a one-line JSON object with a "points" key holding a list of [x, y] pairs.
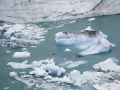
{"points": [[89, 40]]}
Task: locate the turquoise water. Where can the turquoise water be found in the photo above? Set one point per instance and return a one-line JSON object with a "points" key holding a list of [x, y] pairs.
{"points": [[109, 25]]}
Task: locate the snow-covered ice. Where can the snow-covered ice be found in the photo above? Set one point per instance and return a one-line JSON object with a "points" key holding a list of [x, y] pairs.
{"points": [[21, 54], [89, 40]]}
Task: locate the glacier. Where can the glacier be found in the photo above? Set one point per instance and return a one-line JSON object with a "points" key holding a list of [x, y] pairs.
{"points": [[22, 11], [89, 40]]}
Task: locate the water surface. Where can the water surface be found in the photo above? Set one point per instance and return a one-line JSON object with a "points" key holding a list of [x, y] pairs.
{"points": [[109, 25]]}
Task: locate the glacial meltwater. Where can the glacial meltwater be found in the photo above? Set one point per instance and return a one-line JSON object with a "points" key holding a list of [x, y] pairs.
{"points": [[63, 56]]}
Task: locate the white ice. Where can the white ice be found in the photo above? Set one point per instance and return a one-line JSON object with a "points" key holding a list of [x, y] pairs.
{"points": [[108, 65], [91, 19], [89, 40], [13, 74], [107, 86], [67, 50], [17, 65], [21, 54]]}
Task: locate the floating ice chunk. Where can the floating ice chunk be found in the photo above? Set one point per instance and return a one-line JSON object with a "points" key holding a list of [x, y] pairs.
{"points": [[107, 86], [65, 79], [70, 64], [22, 65], [36, 63], [13, 74], [108, 65], [67, 50], [6, 88], [24, 48], [7, 51], [39, 72], [77, 78], [91, 19], [90, 40], [53, 69], [21, 54]]}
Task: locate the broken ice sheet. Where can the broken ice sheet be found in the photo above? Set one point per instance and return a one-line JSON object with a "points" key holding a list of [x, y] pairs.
{"points": [[22, 35]]}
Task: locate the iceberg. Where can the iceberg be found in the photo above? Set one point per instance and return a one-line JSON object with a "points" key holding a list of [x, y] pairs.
{"points": [[89, 40], [17, 65], [21, 54]]}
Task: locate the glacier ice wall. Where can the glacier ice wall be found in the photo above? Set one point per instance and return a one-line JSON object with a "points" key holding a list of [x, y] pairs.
{"points": [[21, 11]]}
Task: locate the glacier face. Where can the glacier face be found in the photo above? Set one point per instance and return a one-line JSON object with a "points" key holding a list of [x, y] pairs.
{"points": [[21, 11]]}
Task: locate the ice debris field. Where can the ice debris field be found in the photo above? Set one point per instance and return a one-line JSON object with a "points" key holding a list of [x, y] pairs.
{"points": [[46, 72], [88, 40], [21, 35]]}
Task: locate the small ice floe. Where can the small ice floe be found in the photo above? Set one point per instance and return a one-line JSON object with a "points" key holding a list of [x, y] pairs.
{"points": [[70, 64], [17, 65], [72, 21], [107, 86], [7, 51], [67, 50], [21, 54], [24, 48], [6, 88], [88, 40], [91, 19], [109, 65], [13, 74]]}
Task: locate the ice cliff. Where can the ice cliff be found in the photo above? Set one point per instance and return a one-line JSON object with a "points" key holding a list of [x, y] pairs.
{"points": [[21, 11]]}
